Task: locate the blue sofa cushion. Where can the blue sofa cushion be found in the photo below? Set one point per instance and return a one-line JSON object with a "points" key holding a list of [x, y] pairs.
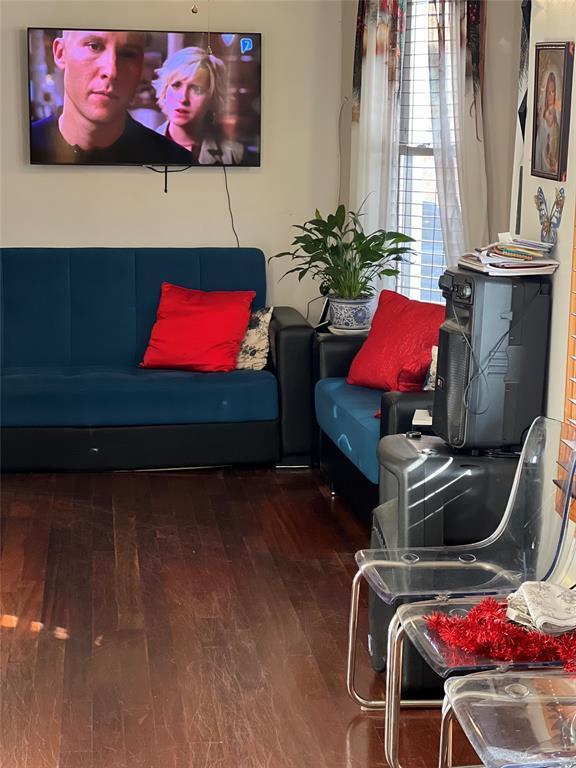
{"points": [[96, 306], [99, 396], [347, 415]]}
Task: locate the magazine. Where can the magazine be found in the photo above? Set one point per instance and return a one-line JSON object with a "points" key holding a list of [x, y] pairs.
{"points": [[496, 265]]}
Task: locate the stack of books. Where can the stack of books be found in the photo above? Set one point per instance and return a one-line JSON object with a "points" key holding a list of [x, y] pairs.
{"points": [[511, 256]]}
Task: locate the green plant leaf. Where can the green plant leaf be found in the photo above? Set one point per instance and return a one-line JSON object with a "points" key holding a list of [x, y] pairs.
{"points": [[341, 256], [279, 255], [340, 216]]}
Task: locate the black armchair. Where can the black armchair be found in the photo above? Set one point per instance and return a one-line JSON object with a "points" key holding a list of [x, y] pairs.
{"points": [[333, 356], [290, 358]]}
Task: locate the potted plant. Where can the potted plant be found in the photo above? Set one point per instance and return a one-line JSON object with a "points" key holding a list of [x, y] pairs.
{"points": [[346, 261]]}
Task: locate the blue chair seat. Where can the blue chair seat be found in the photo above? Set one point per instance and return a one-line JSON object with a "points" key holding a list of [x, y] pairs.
{"points": [[347, 414], [96, 396]]}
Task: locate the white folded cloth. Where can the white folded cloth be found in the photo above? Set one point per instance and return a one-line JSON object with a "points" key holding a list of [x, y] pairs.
{"points": [[546, 607]]}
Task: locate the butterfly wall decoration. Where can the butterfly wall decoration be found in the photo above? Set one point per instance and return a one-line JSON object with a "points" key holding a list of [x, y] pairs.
{"points": [[549, 221]]}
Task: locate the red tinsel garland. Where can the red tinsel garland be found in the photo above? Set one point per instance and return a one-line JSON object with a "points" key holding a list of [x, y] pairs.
{"points": [[485, 631]]}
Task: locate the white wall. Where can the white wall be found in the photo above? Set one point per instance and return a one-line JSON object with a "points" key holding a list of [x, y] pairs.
{"points": [[349, 18], [553, 20], [301, 94]]}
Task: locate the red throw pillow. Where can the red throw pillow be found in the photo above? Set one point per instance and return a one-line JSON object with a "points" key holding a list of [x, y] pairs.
{"points": [[198, 330], [398, 350]]}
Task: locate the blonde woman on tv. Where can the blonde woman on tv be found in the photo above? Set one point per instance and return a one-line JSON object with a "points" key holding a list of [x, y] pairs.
{"points": [[191, 88]]}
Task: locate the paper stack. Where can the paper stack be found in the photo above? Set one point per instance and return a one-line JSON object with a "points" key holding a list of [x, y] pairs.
{"points": [[511, 256]]}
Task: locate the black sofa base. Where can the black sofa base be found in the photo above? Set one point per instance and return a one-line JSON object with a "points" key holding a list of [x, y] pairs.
{"points": [[83, 449], [346, 480]]}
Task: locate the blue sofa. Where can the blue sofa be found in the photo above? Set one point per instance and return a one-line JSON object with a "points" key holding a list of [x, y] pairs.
{"points": [[75, 324]]}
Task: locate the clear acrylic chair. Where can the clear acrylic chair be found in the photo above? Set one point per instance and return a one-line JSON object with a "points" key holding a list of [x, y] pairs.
{"points": [[410, 623], [513, 719], [528, 545]]}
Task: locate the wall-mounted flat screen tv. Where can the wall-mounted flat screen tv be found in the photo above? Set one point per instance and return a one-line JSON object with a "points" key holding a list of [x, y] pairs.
{"points": [[138, 97]]}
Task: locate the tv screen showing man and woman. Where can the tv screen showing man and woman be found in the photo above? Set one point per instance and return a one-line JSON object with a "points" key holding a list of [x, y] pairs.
{"points": [[134, 97]]}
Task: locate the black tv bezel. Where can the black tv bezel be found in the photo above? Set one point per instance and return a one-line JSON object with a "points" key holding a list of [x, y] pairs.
{"points": [[143, 164]]}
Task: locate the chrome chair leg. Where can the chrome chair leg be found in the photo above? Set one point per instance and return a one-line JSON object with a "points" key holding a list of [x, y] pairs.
{"points": [[396, 636], [369, 704], [352, 640], [446, 733], [394, 700]]}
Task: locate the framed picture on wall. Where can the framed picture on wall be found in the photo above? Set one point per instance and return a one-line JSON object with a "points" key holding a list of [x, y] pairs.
{"points": [[551, 115]]}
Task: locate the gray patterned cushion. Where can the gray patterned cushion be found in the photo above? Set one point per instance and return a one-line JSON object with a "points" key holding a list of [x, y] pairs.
{"points": [[254, 349], [430, 382]]}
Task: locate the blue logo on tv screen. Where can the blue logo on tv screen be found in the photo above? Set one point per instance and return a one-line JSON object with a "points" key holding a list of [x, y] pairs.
{"points": [[246, 44]]}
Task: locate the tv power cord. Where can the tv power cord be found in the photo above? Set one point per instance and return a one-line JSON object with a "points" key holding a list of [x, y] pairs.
{"points": [[166, 170]]}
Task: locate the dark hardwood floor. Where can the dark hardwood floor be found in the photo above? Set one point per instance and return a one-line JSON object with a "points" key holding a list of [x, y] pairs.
{"points": [[184, 619]]}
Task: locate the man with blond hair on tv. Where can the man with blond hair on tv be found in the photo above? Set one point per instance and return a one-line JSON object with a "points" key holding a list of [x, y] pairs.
{"points": [[102, 70]]}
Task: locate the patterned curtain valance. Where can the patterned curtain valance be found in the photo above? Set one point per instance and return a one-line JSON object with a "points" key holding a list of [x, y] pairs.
{"points": [[387, 18]]}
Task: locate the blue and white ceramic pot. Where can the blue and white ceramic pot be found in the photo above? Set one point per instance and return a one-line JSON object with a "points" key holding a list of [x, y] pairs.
{"points": [[351, 314]]}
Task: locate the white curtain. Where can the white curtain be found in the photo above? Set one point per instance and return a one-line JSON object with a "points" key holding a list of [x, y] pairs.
{"points": [[378, 61], [457, 132]]}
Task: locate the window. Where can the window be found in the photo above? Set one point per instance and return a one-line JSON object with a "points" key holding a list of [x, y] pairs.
{"points": [[416, 199]]}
